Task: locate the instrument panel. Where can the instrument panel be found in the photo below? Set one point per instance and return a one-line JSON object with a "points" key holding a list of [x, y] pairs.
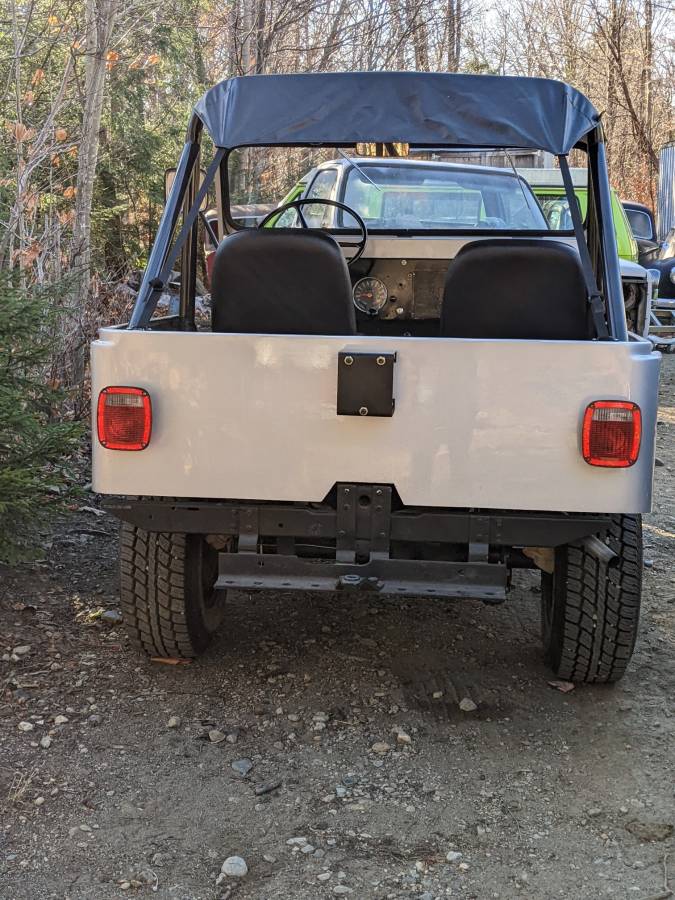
{"points": [[399, 289]]}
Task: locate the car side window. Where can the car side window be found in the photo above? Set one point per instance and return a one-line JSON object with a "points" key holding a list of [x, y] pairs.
{"points": [[640, 223], [319, 216]]}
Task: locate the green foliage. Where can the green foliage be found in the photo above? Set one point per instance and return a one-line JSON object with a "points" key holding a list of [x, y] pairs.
{"points": [[33, 442]]}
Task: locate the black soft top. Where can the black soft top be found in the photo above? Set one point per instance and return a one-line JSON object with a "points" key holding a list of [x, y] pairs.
{"points": [[424, 109]]}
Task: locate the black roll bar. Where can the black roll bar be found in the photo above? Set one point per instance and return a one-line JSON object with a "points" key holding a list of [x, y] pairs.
{"points": [[597, 158], [152, 285]]}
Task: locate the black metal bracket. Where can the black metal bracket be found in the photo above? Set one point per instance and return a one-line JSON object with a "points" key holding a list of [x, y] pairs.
{"points": [[365, 384], [363, 520]]}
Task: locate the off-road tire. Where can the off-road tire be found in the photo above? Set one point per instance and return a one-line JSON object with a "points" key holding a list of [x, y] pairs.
{"points": [[590, 611], [166, 589]]}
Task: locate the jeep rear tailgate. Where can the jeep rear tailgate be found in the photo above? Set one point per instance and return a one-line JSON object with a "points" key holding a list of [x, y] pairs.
{"points": [[477, 423]]}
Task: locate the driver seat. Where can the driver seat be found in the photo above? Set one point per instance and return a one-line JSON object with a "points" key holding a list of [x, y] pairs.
{"points": [[281, 281]]}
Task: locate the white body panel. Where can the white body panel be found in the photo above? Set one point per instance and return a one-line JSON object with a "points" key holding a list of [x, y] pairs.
{"points": [[478, 423]]}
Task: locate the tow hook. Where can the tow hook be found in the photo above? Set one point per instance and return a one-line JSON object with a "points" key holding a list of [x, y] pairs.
{"points": [[599, 550], [359, 583]]}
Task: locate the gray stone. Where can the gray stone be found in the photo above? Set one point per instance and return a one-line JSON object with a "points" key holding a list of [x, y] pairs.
{"points": [[112, 617], [234, 867], [242, 766]]}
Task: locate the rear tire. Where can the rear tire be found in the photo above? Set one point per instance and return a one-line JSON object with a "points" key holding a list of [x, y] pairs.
{"points": [[590, 611], [169, 604]]}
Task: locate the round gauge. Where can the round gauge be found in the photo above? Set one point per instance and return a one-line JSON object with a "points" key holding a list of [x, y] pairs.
{"points": [[370, 295]]}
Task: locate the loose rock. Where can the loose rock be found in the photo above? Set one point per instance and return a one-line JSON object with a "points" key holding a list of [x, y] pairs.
{"points": [[242, 766], [234, 867], [467, 705], [380, 747], [216, 736], [267, 787], [174, 722]]}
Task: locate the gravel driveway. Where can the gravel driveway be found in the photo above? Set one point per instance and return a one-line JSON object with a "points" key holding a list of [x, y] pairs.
{"points": [[360, 746]]}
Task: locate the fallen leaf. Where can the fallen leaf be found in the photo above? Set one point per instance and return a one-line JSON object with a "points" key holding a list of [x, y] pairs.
{"points": [[38, 76], [60, 134], [170, 660], [650, 831], [565, 687], [70, 192]]}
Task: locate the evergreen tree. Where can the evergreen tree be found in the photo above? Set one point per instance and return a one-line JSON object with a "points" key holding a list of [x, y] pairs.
{"points": [[33, 442]]}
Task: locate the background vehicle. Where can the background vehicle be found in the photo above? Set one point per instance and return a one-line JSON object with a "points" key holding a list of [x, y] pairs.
{"points": [[659, 257], [637, 288], [643, 225], [336, 431], [548, 188]]}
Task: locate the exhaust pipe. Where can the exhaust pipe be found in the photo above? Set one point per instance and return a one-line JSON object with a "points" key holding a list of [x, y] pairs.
{"points": [[599, 549]]}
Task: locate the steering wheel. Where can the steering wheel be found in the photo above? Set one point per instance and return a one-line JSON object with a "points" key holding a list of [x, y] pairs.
{"points": [[298, 204]]}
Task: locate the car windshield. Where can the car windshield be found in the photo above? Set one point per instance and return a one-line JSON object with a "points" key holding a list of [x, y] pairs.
{"points": [[476, 191], [440, 196]]}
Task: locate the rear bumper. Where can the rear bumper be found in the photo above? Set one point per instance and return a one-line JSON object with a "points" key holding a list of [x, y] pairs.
{"points": [[320, 520], [356, 541]]}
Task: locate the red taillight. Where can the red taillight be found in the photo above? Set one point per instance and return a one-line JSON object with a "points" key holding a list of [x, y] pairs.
{"points": [[611, 433], [124, 418]]}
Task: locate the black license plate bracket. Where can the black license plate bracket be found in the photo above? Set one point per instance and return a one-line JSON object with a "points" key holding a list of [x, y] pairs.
{"points": [[365, 384]]}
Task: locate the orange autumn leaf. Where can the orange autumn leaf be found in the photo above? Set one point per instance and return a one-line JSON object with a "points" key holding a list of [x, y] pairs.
{"points": [[66, 216], [56, 160], [21, 132], [170, 660], [73, 152], [111, 58], [38, 76], [70, 192], [29, 254], [60, 134], [53, 21], [152, 59], [28, 98]]}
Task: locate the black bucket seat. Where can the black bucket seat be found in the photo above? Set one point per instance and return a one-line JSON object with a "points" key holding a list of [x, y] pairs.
{"points": [[281, 281], [516, 288]]}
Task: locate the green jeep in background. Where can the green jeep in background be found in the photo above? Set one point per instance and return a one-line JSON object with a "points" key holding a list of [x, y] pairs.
{"points": [[548, 188]]}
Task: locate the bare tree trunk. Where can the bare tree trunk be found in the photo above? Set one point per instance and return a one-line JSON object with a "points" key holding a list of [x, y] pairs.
{"points": [[647, 75], [99, 22]]}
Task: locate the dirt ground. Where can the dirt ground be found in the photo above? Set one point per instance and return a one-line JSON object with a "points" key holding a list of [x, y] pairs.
{"points": [[110, 785]]}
